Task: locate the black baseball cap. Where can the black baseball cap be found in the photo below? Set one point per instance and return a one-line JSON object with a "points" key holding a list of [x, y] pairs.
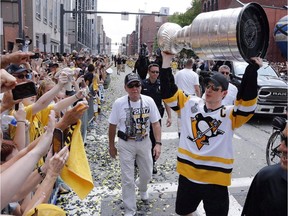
{"points": [[132, 77], [53, 65], [218, 79], [14, 68], [80, 58]]}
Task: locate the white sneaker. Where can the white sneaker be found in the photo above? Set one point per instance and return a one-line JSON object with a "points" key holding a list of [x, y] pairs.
{"points": [[129, 214], [137, 182], [144, 195]]}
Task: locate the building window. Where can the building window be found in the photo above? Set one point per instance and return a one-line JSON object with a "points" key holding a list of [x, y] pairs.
{"points": [[45, 11], [209, 6], [55, 14], [205, 7], [212, 5], [38, 9], [51, 14], [37, 41]]}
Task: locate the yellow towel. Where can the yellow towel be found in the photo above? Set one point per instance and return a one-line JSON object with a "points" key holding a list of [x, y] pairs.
{"points": [[95, 82], [46, 210], [76, 174]]}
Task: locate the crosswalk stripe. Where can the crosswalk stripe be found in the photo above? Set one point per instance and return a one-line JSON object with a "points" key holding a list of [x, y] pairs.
{"points": [[235, 208]]}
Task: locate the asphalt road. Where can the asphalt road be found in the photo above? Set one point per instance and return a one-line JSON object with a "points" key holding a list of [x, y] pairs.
{"points": [[249, 146]]}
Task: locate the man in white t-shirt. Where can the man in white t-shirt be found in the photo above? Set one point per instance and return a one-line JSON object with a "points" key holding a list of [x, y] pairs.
{"points": [[188, 80], [232, 89], [132, 114]]}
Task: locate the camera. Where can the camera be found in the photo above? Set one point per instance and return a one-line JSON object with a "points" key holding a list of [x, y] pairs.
{"points": [[122, 135]]}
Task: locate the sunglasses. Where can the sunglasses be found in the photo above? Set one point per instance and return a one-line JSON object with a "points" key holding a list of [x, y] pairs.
{"points": [[224, 72], [155, 72], [36, 75], [283, 138], [22, 76], [214, 88], [132, 85]]}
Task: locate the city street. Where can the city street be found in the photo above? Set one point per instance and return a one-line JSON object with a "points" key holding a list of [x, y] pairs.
{"points": [[249, 146]]}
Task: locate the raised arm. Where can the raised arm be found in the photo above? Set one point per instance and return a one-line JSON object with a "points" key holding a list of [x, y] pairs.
{"points": [[46, 99], [63, 104], [246, 101], [169, 119], [23, 167], [45, 189]]}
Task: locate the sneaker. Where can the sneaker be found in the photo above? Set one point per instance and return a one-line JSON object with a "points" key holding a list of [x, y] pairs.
{"points": [[144, 195], [137, 182], [129, 214]]}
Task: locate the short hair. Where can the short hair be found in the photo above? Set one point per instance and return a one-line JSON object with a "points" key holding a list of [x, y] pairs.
{"points": [[189, 62], [226, 67], [91, 68], [153, 65]]}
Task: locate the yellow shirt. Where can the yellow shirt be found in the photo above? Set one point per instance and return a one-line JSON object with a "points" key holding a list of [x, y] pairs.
{"points": [[37, 121]]}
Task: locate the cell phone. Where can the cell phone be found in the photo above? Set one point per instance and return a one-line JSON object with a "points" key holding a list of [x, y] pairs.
{"points": [[24, 90], [58, 140], [35, 56]]}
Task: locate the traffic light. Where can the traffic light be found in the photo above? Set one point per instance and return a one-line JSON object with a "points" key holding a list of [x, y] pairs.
{"points": [[73, 14]]}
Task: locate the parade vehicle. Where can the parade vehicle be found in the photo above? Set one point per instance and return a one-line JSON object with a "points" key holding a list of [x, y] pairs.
{"points": [[272, 89]]}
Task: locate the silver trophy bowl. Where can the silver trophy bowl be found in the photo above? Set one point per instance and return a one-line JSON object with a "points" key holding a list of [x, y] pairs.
{"points": [[232, 34]]}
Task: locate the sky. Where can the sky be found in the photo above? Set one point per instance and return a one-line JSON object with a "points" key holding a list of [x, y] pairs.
{"points": [[116, 28]]}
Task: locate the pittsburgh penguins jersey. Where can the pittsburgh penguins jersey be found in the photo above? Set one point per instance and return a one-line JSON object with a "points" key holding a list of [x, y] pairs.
{"points": [[205, 152]]}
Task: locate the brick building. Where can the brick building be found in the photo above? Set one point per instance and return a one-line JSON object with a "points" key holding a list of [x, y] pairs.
{"points": [[149, 28]]}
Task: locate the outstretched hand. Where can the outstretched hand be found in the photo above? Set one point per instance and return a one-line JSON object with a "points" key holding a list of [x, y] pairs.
{"points": [[258, 61], [73, 115], [46, 139], [8, 81]]}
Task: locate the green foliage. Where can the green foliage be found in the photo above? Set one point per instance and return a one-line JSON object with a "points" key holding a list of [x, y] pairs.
{"points": [[185, 19]]}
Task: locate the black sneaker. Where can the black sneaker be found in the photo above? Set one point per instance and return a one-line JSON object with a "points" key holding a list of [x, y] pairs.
{"points": [[154, 169]]}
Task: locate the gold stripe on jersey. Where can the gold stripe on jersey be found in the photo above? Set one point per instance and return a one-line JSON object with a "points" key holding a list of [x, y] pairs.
{"points": [[177, 101], [205, 158], [246, 103], [204, 175]]}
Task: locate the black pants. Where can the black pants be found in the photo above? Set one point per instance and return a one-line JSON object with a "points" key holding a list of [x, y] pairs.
{"points": [[189, 195]]}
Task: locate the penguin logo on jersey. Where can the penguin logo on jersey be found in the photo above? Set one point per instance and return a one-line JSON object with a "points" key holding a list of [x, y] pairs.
{"points": [[203, 128]]}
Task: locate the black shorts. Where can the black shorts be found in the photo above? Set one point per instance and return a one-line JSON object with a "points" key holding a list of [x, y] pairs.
{"points": [[189, 195]]}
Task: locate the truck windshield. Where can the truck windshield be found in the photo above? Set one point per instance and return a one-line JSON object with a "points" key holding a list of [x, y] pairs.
{"points": [[265, 70]]}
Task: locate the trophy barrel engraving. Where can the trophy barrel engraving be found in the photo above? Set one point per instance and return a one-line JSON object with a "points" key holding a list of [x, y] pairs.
{"points": [[231, 34]]}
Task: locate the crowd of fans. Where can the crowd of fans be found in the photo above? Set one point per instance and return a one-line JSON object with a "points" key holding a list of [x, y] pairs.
{"points": [[64, 85]]}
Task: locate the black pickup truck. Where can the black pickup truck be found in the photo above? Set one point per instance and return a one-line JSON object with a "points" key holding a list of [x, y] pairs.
{"points": [[272, 89]]}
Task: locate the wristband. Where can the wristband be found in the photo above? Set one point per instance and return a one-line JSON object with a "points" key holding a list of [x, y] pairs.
{"points": [[41, 173], [159, 143]]}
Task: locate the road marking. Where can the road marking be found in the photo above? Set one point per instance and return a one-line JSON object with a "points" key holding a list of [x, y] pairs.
{"points": [[235, 208], [169, 135]]}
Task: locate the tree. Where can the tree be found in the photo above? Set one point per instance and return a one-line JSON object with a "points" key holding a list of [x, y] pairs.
{"points": [[185, 19]]}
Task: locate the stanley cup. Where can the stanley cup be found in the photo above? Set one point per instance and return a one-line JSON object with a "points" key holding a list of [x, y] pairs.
{"points": [[233, 34]]}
